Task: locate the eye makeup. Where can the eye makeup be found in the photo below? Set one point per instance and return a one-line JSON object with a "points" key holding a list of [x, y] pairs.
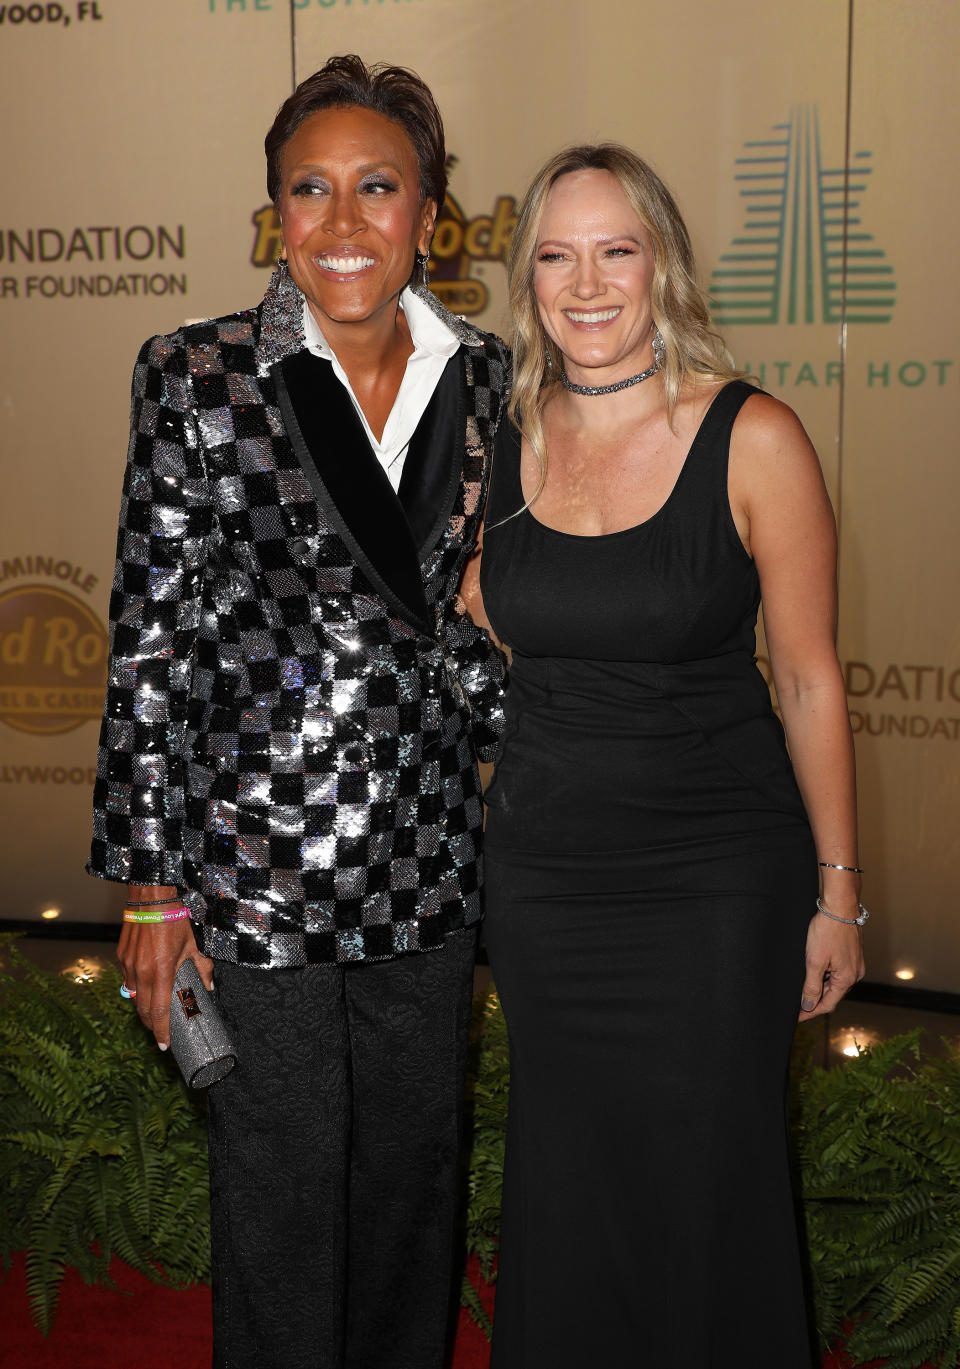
{"points": [[378, 182], [309, 185]]}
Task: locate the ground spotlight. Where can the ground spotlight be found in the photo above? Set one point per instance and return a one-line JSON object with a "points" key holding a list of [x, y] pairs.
{"points": [[84, 971]]}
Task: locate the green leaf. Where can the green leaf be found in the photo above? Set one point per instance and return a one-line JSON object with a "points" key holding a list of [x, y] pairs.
{"points": [[102, 1146]]}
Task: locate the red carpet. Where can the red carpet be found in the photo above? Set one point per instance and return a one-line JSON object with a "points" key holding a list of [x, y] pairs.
{"points": [[139, 1326], [142, 1326]]}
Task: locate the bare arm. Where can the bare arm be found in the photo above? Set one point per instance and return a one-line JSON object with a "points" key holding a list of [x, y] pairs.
{"points": [[784, 515], [471, 595]]}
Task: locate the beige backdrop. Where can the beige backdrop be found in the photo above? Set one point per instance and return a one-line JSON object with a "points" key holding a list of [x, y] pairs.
{"points": [[138, 201]]}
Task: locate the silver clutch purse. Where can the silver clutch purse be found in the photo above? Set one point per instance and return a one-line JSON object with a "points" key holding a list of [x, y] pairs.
{"points": [[199, 1037]]}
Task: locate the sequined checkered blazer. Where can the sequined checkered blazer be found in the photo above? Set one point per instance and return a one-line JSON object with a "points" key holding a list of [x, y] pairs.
{"points": [[295, 698]]}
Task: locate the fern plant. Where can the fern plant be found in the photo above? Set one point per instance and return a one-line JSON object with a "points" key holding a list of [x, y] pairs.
{"points": [[488, 1083], [102, 1147], [879, 1148]]}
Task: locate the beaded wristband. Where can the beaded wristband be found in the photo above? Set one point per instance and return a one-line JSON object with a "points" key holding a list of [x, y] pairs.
{"points": [[152, 902], [173, 915], [829, 865], [850, 921]]}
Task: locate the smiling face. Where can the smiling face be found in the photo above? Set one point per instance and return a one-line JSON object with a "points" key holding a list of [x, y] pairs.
{"points": [[592, 275], [351, 214]]}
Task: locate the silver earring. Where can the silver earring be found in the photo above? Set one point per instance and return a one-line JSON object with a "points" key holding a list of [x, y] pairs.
{"points": [[423, 260], [659, 349]]}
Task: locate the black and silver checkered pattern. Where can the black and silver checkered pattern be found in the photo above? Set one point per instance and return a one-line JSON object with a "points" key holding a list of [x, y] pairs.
{"points": [[277, 741]]}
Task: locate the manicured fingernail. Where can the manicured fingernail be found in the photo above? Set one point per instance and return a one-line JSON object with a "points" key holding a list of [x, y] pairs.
{"points": [[806, 1004], [163, 1045]]}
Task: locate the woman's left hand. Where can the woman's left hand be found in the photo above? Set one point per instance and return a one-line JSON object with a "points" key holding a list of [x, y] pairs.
{"points": [[834, 964]]}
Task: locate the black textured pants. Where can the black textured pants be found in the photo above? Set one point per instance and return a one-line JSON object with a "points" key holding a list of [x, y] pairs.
{"points": [[334, 1148]]}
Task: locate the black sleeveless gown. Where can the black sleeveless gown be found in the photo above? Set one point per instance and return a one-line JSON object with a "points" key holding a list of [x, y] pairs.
{"points": [[650, 875]]}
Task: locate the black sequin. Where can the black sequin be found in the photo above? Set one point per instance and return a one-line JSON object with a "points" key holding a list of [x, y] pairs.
{"points": [[280, 739]]}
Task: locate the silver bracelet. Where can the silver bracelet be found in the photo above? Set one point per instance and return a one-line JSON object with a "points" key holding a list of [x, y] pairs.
{"points": [[850, 921], [829, 865]]}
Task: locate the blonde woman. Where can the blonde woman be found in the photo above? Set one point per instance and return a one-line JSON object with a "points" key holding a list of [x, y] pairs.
{"points": [[652, 853]]}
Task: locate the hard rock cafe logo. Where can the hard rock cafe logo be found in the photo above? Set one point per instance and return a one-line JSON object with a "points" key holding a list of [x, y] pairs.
{"points": [[460, 244], [53, 660]]}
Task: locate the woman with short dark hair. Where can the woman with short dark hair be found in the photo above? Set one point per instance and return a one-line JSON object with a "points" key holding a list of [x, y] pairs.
{"points": [[296, 702], [394, 92]]}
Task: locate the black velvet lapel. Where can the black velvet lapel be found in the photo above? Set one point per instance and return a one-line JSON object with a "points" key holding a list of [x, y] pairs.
{"points": [[350, 484], [434, 462]]}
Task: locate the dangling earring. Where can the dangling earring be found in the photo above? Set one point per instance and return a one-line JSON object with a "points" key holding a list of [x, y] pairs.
{"points": [[282, 266], [423, 260], [659, 349]]}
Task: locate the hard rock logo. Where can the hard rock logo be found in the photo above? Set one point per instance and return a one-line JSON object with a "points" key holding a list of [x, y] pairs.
{"points": [[458, 245], [53, 660]]}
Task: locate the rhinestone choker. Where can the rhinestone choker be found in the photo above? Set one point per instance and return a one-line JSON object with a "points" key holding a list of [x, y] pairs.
{"points": [[608, 389]]}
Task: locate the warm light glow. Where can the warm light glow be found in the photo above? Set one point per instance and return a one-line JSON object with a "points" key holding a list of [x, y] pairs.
{"points": [[853, 1041], [49, 913], [84, 971], [905, 974]]}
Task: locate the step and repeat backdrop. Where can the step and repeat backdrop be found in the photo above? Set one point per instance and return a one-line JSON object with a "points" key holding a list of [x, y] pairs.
{"points": [[810, 149]]}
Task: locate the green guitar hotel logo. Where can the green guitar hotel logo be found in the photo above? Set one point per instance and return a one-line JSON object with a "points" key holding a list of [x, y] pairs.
{"points": [[788, 265]]}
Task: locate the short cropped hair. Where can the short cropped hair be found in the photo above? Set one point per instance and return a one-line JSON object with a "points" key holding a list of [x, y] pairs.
{"points": [[395, 92]]}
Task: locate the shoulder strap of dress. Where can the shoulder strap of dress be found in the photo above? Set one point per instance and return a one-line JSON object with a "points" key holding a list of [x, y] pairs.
{"points": [[711, 446], [703, 480], [727, 403]]}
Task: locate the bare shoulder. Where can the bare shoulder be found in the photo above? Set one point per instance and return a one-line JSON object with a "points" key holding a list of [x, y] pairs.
{"points": [[776, 486], [768, 431]]}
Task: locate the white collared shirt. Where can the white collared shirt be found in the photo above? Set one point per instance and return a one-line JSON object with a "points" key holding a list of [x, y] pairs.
{"points": [[433, 345]]}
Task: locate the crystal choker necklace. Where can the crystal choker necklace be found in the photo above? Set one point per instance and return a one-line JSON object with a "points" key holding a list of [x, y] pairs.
{"points": [[608, 389]]}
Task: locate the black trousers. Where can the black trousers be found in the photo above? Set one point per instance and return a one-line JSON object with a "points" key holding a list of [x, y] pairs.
{"points": [[334, 1150]]}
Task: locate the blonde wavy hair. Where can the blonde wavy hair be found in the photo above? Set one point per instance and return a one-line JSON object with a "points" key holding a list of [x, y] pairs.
{"points": [[679, 306]]}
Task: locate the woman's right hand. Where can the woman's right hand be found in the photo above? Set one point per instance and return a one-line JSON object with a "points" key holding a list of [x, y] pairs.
{"points": [[150, 954]]}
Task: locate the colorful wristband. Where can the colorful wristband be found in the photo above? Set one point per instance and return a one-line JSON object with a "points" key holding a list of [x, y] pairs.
{"points": [[171, 915]]}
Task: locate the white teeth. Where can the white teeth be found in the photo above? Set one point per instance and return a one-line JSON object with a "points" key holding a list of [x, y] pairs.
{"points": [[344, 266], [591, 315]]}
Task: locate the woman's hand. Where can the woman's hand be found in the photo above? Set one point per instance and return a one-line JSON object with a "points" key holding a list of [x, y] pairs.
{"points": [[150, 954], [834, 964]]}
